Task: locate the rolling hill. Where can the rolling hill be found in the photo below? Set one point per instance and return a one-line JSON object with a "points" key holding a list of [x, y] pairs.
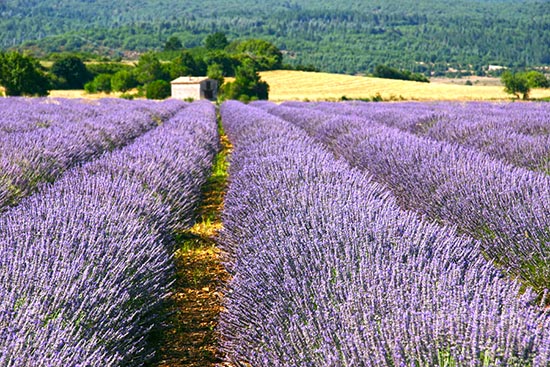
{"points": [[335, 35]]}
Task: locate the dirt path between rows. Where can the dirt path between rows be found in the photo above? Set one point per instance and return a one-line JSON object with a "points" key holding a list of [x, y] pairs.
{"points": [[190, 339]]}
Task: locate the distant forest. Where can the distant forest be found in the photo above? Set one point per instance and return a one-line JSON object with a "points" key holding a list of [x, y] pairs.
{"points": [[340, 36]]}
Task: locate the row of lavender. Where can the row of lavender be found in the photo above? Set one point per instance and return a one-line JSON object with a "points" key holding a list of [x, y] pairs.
{"points": [[46, 137], [27, 114], [329, 271], [516, 133], [85, 263], [504, 206]]}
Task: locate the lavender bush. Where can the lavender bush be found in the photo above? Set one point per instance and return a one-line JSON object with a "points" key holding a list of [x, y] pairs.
{"points": [[28, 114], [66, 133], [86, 262], [505, 206], [328, 271], [516, 133]]}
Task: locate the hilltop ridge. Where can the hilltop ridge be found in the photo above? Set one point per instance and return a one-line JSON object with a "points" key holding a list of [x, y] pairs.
{"points": [[334, 35]]}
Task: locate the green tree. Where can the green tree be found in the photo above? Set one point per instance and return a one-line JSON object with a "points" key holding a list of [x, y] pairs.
{"points": [[247, 85], [536, 79], [227, 62], [106, 68], [21, 75], [265, 55], [215, 71], [101, 83], [216, 41], [516, 84], [71, 72], [387, 72], [384, 71], [183, 65], [173, 44], [123, 81], [149, 68], [158, 89]]}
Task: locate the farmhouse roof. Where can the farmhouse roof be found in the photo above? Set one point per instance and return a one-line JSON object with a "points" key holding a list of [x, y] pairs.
{"points": [[189, 80]]}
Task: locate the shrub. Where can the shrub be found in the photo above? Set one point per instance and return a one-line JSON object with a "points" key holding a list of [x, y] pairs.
{"points": [[22, 75], [383, 71], [158, 89], [70, 72], [101, 83], [123, 81], [536, 79]]}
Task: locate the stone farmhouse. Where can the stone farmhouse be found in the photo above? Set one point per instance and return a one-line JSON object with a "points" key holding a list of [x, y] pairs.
{"points": [[194, 87]]}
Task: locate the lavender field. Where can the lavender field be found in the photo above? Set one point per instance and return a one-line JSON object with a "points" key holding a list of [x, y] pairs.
{"points": [[457, 181], [42, 138], [354, 234], [355, 243], [86, 261], [518, 134]]}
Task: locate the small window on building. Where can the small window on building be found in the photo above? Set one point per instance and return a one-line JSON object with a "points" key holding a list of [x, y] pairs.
{"points": [[208, 85]]}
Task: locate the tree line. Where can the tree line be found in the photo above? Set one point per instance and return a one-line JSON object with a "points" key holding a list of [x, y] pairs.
{"points": [[423, 36], [217, 58]]}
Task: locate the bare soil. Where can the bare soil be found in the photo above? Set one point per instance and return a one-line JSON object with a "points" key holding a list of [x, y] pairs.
{"points": [[190, 339]]}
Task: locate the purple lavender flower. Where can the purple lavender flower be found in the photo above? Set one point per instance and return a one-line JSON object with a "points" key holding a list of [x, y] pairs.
{"points": [[327, 270], [42, 138], [86, 262], [503, 205]]}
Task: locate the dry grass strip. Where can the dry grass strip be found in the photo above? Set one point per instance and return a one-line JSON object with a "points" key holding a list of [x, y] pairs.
{"points": [[190, 339]]}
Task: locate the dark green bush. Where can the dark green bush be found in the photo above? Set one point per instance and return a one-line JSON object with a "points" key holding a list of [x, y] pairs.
{"points": [[158, 89], [101, 83]]}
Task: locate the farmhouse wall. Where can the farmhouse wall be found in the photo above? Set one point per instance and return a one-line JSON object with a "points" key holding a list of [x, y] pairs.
{"points": [[183, 91], [194, 87]]}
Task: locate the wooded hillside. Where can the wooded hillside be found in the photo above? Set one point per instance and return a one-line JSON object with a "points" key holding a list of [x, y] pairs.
{"points": [[334, 35]]}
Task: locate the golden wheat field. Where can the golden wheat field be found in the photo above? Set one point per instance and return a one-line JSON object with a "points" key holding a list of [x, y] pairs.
{"points": [[74, 93], [287, 85], [81, 93]]}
